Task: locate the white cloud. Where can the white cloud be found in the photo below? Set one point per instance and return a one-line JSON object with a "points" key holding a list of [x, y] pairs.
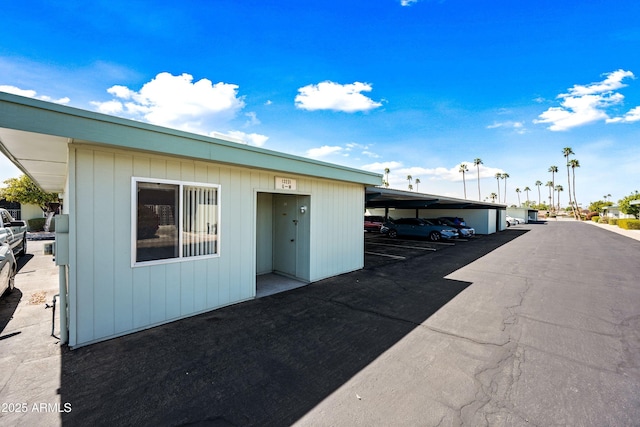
{"points": [[517, 127], [371, 154], [586, 104], [381, 166], [632, 115], [334, 96], [364, 149], [398, 174], [177, 102], [325, 150], [611, 83], [351, 149], [407, 2], [112, 107], [253, 119], [31, 94], [254, 139]]}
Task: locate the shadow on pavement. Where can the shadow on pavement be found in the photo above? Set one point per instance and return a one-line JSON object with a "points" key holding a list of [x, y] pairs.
{"points": [[267, 361], [8, 305], [10, 299], [23, 260]]}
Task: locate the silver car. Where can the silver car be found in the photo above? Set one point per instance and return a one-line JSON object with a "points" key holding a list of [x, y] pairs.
{"points": [[8, 268]]}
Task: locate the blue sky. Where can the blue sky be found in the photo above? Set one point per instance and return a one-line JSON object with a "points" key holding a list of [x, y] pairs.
{"points": [[416, 86]]}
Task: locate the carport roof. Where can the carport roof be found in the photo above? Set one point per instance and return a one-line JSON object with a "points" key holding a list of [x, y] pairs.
{"points": [[379, 197], [35, 136]]}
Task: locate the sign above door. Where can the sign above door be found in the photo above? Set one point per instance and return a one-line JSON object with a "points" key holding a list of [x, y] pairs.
{"points": [[285, 183]]}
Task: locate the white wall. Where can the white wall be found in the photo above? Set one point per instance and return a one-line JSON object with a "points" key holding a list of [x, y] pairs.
{"points": [[109, 298], [482, 220], [521, 213], [28, 212]]}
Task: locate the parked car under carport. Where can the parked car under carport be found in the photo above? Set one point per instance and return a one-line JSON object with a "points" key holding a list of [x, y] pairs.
{"points": [[464, 231], [416, 227]]}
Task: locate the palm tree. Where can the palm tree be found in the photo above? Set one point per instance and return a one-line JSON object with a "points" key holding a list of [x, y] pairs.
{"points": [[493, 197], [553, 170], [417, 184], [409, 178], [526, 190], [538, 184], [575, 164], [566, 152], [463, 168], [518, 193], [558, 190], [477, 163], [386, 174], [550, 185], [498, 176], [505, 176], [410, 187]]}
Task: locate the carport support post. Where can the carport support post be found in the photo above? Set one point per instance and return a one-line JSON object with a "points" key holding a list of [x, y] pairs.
{"points": [[62, 261]]}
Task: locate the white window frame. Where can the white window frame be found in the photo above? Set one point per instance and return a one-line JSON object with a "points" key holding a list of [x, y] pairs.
{"points": [[134, 220]]}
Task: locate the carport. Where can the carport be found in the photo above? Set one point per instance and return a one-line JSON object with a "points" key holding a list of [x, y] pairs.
{"points": [[485, 217]]}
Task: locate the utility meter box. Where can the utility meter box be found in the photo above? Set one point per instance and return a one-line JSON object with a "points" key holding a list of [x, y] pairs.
{"points": [[62, 239]]}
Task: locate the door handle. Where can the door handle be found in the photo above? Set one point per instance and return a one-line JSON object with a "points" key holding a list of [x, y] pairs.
{"points": [[293, 240]]}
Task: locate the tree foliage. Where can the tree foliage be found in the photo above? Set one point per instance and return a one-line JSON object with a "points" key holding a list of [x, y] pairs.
{"points": [[626, 206], [599, 206], [24, 191]]}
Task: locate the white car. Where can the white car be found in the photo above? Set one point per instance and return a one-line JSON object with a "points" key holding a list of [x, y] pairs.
{"points": [[511, 221], [8, 268]]}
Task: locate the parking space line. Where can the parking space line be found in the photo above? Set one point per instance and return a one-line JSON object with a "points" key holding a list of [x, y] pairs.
{"points": [[402, 246], [385, 255]]}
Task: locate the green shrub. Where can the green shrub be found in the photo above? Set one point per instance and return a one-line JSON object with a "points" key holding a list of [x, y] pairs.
{"points": [[603, 220], [629, 224], [613, 221], [37, 224], [595, 218]]}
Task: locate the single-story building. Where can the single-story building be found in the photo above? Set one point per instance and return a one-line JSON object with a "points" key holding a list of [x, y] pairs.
{"points": [[160, 224], [484, 217], [614, 212], [526, 214]]}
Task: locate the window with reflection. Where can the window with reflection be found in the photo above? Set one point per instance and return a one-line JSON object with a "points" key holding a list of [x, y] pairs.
{"points": [[175, 220]]}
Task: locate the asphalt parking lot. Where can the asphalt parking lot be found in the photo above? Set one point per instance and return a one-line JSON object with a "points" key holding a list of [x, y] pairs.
{"points": [[380, 250], [537, 325]]}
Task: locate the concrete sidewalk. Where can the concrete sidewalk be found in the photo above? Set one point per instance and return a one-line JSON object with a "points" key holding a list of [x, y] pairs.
{"points": [[633, 234], [537, 325], [30, 357]]}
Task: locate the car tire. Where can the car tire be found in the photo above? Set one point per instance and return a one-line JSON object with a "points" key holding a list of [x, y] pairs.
{"points": [[24, 247], [434, 236], [12, 280], [392, 234]]}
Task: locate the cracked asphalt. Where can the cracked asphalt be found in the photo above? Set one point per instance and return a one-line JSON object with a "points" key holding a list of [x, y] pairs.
{"points": [[538, 325], [547, 334]]}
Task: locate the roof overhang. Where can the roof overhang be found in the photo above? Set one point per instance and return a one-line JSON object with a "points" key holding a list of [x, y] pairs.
{"points": [[35, 136], [379, 197]]}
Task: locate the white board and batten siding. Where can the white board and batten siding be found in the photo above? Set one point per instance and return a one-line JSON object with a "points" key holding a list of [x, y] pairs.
{"points": [[111, 298]]}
